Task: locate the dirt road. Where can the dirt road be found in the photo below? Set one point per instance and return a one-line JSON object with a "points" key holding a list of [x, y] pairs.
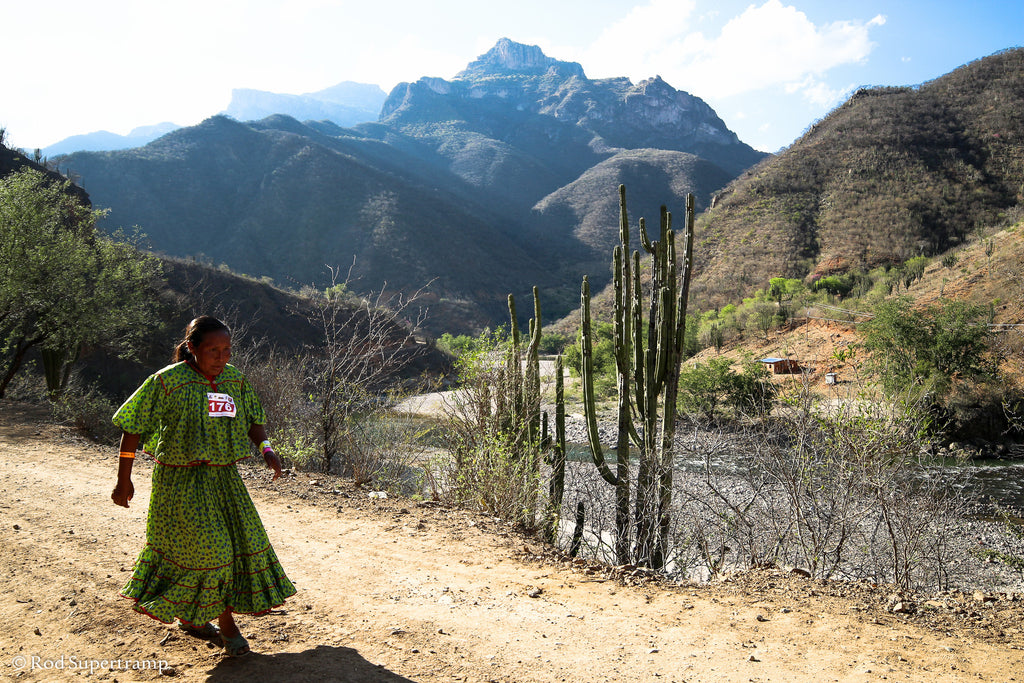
{"points": [[390, 591]]}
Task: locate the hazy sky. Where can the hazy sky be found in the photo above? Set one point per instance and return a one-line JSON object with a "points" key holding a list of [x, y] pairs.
{"points": [[769, 68]]}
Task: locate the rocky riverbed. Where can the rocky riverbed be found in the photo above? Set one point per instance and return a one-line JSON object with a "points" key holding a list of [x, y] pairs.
{"points": [[976, 541]]}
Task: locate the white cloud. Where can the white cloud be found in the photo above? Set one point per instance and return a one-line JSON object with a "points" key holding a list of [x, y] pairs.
{"points": [[767, 46], [631, 45], [817, 92]]}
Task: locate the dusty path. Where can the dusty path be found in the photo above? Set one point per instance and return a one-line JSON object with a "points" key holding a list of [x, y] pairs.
{"points": [[391, 591]]}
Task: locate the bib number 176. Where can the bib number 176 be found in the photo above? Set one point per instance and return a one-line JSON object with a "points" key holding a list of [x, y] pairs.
{"points": [[220, 405]]}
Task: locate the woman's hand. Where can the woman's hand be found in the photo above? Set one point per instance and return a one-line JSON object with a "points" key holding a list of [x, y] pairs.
{"points": [[273, 462], [123, 492], [258, 435]]}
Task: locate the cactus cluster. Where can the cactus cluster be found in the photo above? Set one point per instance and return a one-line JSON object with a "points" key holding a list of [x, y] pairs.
{"points": [[526, 409], [647, 362]]}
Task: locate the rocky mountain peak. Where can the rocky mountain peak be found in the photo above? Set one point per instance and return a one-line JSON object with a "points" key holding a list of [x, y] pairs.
{"points": [[513, 83], [508, 56]]}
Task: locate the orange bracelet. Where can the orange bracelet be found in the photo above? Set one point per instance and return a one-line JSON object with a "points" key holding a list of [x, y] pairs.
{"points": [[128, 454]]}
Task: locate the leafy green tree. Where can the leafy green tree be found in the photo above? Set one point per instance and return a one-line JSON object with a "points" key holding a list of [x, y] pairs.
{"points": [[752, 389], [763, 317], [457, 345], [553, 342], [711, 335], [691, 343], [64, 287], [913, 270], [603, 346], [960, 338], [781, 289], [836, 285], [928, 348], [704, 387]]}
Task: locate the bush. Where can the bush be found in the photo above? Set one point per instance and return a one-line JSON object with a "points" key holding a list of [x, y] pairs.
{"points": [[926, 349], [485, 472], [704, 388], [752, 390], [455, 346], [377, 447], [836, 285], [88, 411], [386, 450], [845, 493], [553, 343], [487, 435], [459, 345], [604, 359]]}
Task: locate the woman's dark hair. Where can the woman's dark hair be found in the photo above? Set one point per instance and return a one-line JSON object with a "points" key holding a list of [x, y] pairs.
{"points": [[194, 333]]}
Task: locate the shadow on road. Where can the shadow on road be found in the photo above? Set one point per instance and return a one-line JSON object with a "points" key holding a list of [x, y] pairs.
{"points": [[323, 663]]}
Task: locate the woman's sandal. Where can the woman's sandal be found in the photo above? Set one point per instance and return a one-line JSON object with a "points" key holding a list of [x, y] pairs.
{"points": [[235, 647], [207, 631]]}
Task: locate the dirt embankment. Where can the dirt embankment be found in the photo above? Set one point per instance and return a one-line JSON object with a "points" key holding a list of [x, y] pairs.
{"points": [[392, 591]]}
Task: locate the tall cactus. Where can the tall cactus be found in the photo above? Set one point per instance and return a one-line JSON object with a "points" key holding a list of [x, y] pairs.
{"points": [[556, 484], [525, 378], [647, 360], [525, 399]]}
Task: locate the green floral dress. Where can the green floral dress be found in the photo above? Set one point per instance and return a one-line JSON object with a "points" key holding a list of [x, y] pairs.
{"points": [[206, 548]]}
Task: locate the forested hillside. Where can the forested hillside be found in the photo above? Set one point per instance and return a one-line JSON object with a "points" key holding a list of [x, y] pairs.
{"points": [[893, 173]]}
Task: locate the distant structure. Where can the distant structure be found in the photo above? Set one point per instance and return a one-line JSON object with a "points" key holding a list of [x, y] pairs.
{"points": [[783, 366]]}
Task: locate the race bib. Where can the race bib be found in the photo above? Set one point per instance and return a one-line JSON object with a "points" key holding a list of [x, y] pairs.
{"points": [[220, 405]]}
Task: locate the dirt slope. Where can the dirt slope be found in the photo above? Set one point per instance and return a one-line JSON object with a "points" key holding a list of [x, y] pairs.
{"points": [[391, 591]]}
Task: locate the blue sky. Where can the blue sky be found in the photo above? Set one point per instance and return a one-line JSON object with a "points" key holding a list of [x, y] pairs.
{"points": [[769, 68]]}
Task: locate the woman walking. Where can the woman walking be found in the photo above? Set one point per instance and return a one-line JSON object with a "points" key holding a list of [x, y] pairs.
{"points": [[207, 554]]}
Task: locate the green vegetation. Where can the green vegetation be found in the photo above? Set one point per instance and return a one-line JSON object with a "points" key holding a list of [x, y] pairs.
{"points": [[457, 345], [841, 494], [602, 358], [496, 433], [929, 348], [461, 345], [705, 388], [836, 227], [64, 287], [945, 352], [553, 343], [942, 355]]}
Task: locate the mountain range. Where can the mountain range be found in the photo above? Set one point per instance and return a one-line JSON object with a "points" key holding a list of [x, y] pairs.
{"points": [[104, 140], [345, 104], [506, 176], [503, 178]]}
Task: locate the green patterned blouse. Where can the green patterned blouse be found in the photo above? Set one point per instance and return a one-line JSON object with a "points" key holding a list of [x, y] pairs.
{"points": [[185, 419]]}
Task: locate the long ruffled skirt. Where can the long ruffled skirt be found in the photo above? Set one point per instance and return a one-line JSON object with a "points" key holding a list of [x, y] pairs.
{"points": [[206, 550]]}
